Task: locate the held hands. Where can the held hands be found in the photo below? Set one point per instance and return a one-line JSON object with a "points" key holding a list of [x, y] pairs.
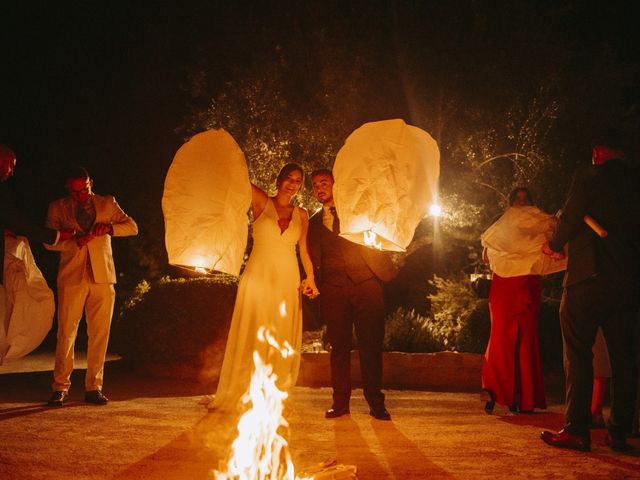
{"points": [[98, 230], [555, 255], [308, 288]]}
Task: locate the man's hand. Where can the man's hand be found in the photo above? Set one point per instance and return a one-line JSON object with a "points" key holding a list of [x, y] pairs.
{"points": [[66, 234], [84, 239], [546, 249], [100, 229]]}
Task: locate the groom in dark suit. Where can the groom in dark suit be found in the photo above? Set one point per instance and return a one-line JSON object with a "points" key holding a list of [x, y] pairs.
{"points": [[349, 277], [601, 289]]}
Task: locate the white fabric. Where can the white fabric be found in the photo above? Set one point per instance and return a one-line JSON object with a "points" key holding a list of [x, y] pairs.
{"points": [[26, 304], [268, 296], [206, 198], [386, 177], [514, 243]]}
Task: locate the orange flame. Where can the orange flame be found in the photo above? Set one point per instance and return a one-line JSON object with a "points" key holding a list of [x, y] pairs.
{"points": [[260, 451], [371, 240]]}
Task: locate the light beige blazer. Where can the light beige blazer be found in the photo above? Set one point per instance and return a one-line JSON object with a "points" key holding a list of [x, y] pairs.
{"points": [[73, 259]]}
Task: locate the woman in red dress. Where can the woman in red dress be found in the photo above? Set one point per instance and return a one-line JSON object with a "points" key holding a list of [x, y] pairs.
{"points": [[511, 367]]}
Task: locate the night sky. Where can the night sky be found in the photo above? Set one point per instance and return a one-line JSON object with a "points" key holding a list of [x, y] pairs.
{"points": [[109, 85]]}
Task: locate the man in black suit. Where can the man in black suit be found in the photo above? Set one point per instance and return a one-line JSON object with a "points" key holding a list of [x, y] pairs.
{"points": [[349, 277], [601, 289]]}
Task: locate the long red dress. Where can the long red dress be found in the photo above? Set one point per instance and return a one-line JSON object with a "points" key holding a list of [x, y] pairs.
{"points": [[511, 367]]}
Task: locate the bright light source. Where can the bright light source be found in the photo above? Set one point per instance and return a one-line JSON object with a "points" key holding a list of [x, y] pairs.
{"points": [[371, 240], [435, 210]]}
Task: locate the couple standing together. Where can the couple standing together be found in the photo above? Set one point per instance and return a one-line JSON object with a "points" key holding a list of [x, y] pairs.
{"points": [[346, 277]]}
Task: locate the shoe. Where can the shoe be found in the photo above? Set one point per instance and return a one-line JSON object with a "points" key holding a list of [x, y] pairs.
{"points": [[617, 444], [334, 412], [57, 398], [96, 397], [491, 403], [564, 439], [597, 421], [380, 413]]}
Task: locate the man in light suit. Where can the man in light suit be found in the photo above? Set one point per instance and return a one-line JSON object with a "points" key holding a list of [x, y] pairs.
{"points": [[86, 277], [350, 280]]}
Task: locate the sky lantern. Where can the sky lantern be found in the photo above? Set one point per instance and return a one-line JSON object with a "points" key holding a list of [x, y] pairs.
{"points": [[28, 305], [514, 243], [206, 198], [386, 178]]}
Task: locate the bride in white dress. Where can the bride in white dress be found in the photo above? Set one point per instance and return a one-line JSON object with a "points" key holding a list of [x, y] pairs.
{"points": [[268, 292]]}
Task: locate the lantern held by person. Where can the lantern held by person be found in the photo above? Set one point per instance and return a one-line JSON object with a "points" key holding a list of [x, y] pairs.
{"points": [[206, 198], [386, 177]]}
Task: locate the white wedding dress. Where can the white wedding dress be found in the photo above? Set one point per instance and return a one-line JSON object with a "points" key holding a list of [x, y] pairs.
{"points": [[268, 296]]}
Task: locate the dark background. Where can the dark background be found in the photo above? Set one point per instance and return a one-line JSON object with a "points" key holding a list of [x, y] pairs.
{"points": [[118, 86]]}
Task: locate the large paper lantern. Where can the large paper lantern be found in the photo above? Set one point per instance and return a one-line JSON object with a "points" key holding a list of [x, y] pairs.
{"points": [[514, 243], [206, 198], [386, 177], [27, 302]]}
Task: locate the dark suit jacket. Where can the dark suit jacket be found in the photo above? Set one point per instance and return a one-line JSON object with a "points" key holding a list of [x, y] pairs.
{"points": [[12, 219], [609, 193], [378, 262]]}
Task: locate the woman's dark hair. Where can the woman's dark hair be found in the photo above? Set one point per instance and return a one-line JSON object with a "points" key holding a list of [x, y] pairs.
{"points": [[286, 170], [514, 194]]}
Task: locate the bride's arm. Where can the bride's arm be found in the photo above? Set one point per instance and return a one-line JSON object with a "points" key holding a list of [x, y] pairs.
{"points": [[309, 284], [258, 201]]}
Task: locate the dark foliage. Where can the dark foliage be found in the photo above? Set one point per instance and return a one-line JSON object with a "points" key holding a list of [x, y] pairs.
{"points": [[175, 321]]}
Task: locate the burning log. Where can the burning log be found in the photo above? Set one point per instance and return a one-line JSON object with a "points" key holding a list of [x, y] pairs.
{"points": [[331, 470]]}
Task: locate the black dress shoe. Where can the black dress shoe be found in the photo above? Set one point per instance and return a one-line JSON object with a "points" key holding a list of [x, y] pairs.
{"points": [[491, 403], [564, 439], [57, 398], [380, 413], [334, 412], [96, 397], [617, 444]]}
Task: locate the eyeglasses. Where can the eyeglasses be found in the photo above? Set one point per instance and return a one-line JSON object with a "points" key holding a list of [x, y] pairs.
{"points": [[85, 189]]}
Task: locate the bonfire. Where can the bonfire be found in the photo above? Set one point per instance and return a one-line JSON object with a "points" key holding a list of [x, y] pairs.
{"points": [[260, 451]]}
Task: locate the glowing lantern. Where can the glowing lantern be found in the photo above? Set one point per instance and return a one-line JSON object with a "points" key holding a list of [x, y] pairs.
{"points": [[206, 198], [386, 176]]}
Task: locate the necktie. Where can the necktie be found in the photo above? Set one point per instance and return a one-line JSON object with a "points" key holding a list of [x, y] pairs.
{"points": [[85, 216], [335, 227]]}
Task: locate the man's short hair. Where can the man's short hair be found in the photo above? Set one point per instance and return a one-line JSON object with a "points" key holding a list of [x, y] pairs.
{"points": [[322, 171], [77, 172]]}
